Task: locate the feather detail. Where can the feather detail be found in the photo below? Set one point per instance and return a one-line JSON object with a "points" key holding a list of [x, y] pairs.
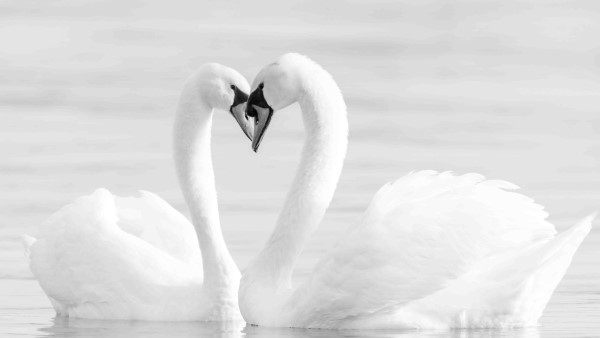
{"points": [[110, 257], [427, 235]]}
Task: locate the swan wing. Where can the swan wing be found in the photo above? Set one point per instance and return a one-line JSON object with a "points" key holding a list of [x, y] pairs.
{"points": [[109, 257], [419, 235], [508, 289], [153, 220]]}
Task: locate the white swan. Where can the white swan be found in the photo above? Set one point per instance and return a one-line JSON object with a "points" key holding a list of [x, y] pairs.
{"points": [[109, 257], [433, 250]]}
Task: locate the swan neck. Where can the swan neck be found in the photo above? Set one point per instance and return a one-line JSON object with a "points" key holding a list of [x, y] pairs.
{"points": [[192, 152], [316, 178]]}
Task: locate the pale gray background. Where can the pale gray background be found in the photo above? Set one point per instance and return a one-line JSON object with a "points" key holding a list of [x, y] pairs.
{"points": [[510, 89]]}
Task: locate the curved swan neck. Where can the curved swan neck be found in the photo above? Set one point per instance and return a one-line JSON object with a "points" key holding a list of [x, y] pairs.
{"points": [[192, 152], [326, 126]]}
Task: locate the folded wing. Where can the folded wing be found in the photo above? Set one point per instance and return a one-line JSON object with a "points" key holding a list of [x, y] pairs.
{"points": [[418, 235], [110, 257]]}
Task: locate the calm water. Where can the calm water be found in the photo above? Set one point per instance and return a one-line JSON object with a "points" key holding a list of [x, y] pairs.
{"points": [[507, 89]]}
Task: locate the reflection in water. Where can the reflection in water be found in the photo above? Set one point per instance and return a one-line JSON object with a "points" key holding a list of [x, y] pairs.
{"points": [[34, 319], [254, 331], [72, 327]]}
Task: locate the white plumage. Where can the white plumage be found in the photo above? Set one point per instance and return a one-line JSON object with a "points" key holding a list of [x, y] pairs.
{"points": [[109, 257], [433, 250], [437, 251]]}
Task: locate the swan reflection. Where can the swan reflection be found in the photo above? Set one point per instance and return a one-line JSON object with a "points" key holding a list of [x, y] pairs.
{"points": [[74, 327]]}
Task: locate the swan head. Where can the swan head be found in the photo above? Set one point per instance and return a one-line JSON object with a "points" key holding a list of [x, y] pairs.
{"points": [[276, 86], [223, 88]]}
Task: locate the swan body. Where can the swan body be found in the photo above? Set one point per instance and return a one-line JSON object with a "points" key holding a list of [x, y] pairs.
{"points": [[433, 250], [110, 257]]}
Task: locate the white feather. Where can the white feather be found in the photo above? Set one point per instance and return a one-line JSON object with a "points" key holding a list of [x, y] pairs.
{"points": [[433, 250], [438, 250], [109, 257], [92, 263]]}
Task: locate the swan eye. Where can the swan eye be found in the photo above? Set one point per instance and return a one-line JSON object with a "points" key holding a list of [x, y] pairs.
{"points": [[233, 87], [261, 86]]}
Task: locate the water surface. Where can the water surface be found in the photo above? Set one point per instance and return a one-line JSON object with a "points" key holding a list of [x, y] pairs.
{"points": [[507, 89]]}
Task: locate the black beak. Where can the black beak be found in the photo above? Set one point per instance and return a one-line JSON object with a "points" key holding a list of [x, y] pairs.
{"points": [[238, 111], [259, 109]]}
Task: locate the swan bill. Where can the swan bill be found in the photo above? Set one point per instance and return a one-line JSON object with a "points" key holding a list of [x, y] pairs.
{"points": [[239, 114], [238, 111], [261, 123], [259, 109]]}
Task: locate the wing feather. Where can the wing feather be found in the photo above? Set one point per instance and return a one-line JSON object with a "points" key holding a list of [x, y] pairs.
{"points": [[104, 256], [418, 235]]}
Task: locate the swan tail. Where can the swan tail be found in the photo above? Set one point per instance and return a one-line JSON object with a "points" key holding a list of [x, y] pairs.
{"points": [[511, 289], [505, 290], [553, 260]]}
